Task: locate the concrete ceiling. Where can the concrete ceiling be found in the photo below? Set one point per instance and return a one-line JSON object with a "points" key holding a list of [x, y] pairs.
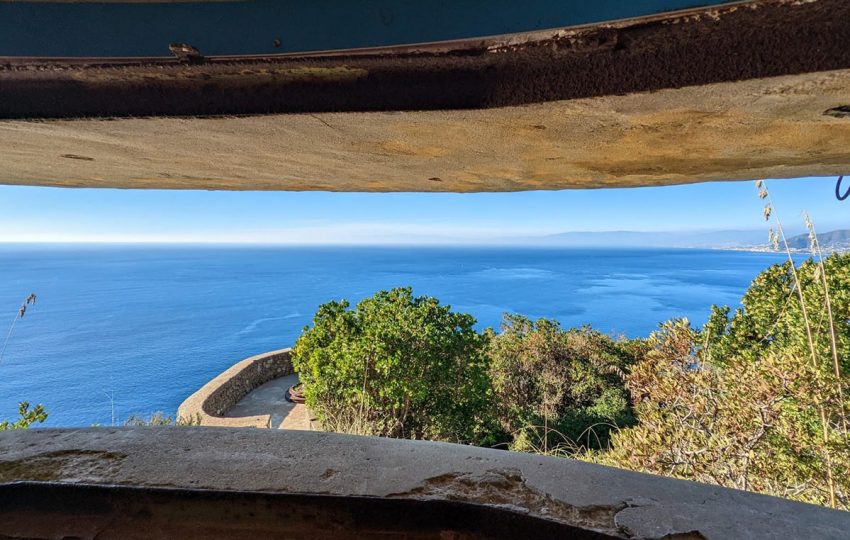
{"points": [[750, 90], [764, 128]]}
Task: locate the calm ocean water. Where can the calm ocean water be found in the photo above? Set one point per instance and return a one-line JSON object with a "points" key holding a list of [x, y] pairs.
{"points": [[147, 326]]}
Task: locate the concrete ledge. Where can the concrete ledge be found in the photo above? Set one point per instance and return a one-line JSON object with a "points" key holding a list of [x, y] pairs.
{"points": [[326, 476], [215, 398]]}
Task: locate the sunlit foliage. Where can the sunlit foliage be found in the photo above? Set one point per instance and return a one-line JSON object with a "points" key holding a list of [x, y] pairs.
{"points": [[559, 391], [26, 417], [748, 402], [396, 366]]}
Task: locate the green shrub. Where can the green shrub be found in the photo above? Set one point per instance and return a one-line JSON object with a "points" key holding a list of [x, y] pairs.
{"points": [[755, 400], [748, 402], [396, 366], [771, 318], [559, 390], [159, 418], [26, 417]]}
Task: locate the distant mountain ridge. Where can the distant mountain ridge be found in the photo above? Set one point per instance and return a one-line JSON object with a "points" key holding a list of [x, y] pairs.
{"points": [[838, 240]]}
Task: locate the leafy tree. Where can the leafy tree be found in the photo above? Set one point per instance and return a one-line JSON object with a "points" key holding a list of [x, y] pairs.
{"points": [[26, 417], [559, 390], [771, 318], [396, 366], [751, 401]]}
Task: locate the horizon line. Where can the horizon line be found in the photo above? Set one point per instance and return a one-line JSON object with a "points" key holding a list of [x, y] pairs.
{"points": [[544, 239], [175, 244]]}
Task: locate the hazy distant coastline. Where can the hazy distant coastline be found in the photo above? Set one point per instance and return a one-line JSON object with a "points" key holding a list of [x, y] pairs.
{"points": [[837, 241]]}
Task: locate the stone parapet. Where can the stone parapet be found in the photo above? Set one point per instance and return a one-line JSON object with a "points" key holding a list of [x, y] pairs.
{"points": [[208, 405], [193, 482]]}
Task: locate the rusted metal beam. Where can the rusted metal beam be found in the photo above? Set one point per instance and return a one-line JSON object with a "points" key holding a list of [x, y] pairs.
{"points": [[748, 40]]}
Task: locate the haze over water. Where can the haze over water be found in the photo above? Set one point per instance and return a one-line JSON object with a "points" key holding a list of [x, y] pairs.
{"points": [[150, 325]]}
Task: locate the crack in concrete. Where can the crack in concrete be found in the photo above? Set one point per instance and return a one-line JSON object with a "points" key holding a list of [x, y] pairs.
{"points": [[507, 488], [635, 525], [324, 122]]}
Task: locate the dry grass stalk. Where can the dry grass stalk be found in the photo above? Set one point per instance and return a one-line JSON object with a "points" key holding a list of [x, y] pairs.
{"points": [[764, 193], [28, 301]]}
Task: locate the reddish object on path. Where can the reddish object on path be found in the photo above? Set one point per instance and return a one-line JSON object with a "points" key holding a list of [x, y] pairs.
{"points": [[295, 394]]}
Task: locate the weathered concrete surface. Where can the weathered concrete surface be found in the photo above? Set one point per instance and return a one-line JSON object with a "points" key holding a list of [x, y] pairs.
{"points": [[765, 128], [620, 503], [717, 43], [270, 399], [208, 405]]}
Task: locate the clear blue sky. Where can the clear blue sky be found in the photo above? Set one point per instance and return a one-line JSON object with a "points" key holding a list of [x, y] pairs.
{"points": [[29, 214]]}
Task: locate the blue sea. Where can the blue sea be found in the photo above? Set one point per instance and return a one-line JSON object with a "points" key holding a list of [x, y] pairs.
{"points": [[121, 330]]}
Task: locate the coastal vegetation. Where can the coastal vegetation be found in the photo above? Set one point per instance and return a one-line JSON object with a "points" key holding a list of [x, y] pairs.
{"points": [[159, 418], [26, 415], [756, 399], [559, 391], [396, 366]]}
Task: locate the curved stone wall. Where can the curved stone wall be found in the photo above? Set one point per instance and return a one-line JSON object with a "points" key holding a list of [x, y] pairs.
{"points": [[208, 405]]}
